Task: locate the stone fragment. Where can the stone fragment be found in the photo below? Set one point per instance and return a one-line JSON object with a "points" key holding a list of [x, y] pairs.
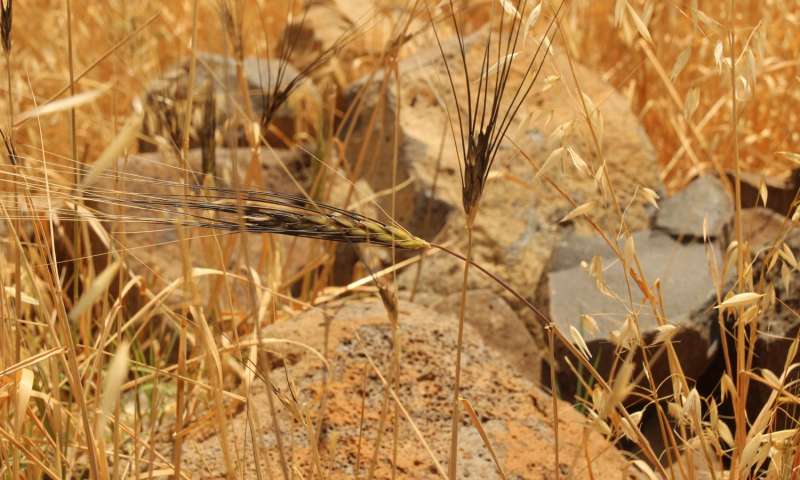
{"points": [[761, 227], [704, 200], [686, 288]]}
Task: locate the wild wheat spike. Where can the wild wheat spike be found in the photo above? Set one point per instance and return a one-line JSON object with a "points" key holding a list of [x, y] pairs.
{"points": [[318, 221]]}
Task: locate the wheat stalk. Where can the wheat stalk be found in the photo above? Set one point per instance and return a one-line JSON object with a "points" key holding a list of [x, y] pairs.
{"points": [[482, 126]]}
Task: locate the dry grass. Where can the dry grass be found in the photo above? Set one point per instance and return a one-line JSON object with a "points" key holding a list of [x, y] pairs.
{"points": [[89, 387]]}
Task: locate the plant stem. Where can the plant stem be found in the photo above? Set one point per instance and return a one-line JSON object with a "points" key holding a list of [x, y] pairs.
{"points": [[452, 467], [554, 396]]}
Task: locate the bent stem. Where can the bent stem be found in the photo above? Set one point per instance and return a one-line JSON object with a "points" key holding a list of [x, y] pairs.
{"points": [[452, 466]]}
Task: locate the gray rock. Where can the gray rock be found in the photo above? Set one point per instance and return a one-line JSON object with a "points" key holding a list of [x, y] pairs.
{"points": [[686, 288], [683, 214], [575, 247]]}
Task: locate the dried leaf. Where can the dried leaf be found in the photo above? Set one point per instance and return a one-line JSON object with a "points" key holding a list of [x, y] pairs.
{"points": [[640, 25], [24, 390], [500, 63], [719, 50], [555, 154], [629, 251], [794, 157], [619, 11], [763, 192], [691, 103], [532, 18], [725, 433], [727, 387], [116, 375], [650, 196], [11, 291], [63, 104], [560, 132], [589, 325], [117, 147], [578, 162], [509, 8], [665, 333], [95, 291]]}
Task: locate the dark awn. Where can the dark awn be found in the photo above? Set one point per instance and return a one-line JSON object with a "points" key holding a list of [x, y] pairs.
{"points": [[489, 110]]}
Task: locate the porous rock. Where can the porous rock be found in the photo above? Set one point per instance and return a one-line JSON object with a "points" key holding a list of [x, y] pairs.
{"points": [[499, 327], [515, 414]]}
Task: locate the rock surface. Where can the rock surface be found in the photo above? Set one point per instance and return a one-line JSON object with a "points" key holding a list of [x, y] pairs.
{"points": [[704, 200], [686, 289], [499, 327], [515, 414]]}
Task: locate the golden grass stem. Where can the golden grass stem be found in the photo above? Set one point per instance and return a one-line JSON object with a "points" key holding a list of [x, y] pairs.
{"points": [[385, 402], [361, 421], [452, 466], [554, 397]]}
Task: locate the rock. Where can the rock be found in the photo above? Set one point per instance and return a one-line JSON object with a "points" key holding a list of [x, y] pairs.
{"points": [[515, 414], [575, 247], [499, 327], [781, 190], [778, 323], [686, 288], [215, 77], [516, 224], [761, 227], [683, 214]]}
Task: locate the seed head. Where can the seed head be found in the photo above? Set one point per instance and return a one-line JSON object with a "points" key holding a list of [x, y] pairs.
{"points": [[5, 24]]}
